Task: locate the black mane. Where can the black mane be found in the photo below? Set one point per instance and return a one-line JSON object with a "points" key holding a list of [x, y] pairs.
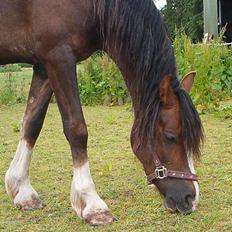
{"points": [[134, 30]]}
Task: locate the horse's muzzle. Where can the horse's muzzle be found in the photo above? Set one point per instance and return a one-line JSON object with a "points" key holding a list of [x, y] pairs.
{"points": [[183, 204]]}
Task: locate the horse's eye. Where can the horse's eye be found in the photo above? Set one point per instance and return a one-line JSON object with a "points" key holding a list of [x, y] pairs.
{"points": [[170, 137]]}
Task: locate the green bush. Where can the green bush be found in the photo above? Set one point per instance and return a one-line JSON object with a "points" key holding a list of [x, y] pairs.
{"points": [[100, 82], [213, 64]]}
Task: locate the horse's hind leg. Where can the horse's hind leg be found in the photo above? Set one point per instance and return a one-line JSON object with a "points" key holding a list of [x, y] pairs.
{"points": [[16, 180], [61, 69]]}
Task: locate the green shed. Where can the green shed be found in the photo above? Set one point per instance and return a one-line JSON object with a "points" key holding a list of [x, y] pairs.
{"points": [[218, 14]]}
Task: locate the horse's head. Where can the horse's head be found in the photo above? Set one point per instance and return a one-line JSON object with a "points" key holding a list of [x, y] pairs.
{"points": [[167, 161]]}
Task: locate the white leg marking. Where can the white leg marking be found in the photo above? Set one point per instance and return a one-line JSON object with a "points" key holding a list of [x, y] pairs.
{"points": [[84, 198], [191, 167], [16, 179]]}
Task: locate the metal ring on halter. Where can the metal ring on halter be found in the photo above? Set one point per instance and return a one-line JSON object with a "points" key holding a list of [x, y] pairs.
{"points": [[161, 172]]}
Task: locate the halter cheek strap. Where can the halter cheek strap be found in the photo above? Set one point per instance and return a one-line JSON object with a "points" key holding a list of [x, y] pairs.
{"points": [[161, 173]]}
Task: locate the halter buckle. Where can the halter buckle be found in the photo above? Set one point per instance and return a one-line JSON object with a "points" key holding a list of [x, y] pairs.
{"points": [[161, 173]]}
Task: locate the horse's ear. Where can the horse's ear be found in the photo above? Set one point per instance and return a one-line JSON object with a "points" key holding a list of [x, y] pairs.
{"points": [[166, 91], [188, 81]]}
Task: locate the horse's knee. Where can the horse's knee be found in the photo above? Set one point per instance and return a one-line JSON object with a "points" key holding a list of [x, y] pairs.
{"points": [[77, 134]]}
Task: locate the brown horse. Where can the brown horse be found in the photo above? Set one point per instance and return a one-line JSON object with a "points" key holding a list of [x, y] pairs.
{"points": [[53, 36]]}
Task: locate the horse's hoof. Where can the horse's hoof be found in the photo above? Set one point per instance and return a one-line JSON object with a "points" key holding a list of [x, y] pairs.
{"points": [[29, 204], [99, 218]]}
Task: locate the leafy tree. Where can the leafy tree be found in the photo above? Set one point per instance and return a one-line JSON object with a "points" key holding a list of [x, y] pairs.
{"points": [[186, 15]]}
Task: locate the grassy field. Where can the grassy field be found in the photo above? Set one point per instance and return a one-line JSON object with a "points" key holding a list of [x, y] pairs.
{"points": [[136, 206]]}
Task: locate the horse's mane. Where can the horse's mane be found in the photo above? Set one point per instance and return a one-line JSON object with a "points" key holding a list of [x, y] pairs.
{"points": [[134, 30]]}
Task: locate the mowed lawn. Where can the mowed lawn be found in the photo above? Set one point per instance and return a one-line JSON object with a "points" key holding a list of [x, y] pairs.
{"points": [[118, 176]]}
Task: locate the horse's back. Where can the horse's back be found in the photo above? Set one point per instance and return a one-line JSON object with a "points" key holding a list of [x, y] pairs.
{"points": [[30, 28], [68, 22]]}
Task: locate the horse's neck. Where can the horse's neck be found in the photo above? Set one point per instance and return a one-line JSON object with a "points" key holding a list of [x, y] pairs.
{"points": [[132, 77], [127, 72]]}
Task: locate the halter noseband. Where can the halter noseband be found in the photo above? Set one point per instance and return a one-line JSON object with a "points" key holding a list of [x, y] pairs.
{"points": [[161, 173]]}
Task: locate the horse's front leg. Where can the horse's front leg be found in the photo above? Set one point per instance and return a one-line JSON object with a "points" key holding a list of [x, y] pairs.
{"points": [[61, 69], [16, 180]]}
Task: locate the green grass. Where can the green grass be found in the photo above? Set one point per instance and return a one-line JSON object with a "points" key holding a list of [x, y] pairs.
{"points": [[137, 207]]}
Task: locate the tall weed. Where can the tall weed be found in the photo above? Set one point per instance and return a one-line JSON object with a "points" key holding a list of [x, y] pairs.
{"points": [[213, 63], [8, 90], [101, 82]]}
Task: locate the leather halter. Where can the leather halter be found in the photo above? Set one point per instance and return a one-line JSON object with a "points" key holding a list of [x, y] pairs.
{"points": [[161, 173]]}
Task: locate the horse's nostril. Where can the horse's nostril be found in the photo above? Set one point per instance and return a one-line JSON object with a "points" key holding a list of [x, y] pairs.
{"points": [[182, 203], [170, 204], [189, 198]]}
